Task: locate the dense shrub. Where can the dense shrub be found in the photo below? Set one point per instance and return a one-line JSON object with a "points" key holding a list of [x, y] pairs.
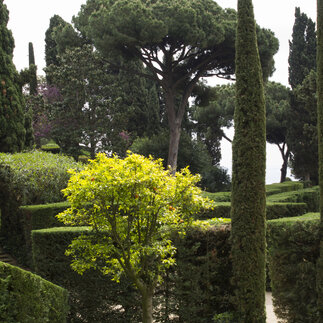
{"points": [[27, 298], [28, 178], [310, 196], [203, 266], [36, 177], [293, 245]]}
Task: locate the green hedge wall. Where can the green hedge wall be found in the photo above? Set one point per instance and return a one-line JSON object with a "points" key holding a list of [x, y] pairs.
{"points": [[34, 217], [293, 245], [193, 291], [28, 178], [283, 187], [271, 189], [273, 210], [28, 298], [310, 196]]}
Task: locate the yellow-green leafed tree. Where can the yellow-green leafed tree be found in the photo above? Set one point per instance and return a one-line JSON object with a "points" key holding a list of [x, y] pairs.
{"points": [[131, 206]]}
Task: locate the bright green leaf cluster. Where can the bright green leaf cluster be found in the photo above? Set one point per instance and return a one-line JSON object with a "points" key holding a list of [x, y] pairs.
{"points": [[131, 205]]}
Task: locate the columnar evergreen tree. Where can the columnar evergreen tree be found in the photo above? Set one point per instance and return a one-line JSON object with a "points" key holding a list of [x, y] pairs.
{"points": [[248, 174], [33, 70], [302, 49], [302, 53], [12, 130], [320, 149]]}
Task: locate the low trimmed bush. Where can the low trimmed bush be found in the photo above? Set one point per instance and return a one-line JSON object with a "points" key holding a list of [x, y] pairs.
{"points": [[293, 245], [28, 298], [203, 266], [34, 217]]}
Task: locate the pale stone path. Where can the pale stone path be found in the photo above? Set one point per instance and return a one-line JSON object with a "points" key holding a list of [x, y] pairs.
{"points": [[271, 317]]}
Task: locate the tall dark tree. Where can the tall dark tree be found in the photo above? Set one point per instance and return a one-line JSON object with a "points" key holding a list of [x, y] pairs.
{"points": [[302, 60], [12, 130], [302, 130], [319, 284], [179, 42], [302, 49], [248, 174], [33, 70]]}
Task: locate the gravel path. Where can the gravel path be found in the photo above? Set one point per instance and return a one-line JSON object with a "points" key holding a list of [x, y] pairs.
{"points": [[271, 317]]}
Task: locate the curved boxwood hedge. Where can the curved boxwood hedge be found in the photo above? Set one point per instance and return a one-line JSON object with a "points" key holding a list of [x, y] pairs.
{"points": [[28, 298]]}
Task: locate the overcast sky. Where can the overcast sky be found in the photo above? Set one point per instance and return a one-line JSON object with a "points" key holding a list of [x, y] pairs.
{"points": [[29, 20]]}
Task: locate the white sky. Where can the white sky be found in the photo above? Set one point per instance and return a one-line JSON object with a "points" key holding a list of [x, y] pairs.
{"points": [[29, 20]]}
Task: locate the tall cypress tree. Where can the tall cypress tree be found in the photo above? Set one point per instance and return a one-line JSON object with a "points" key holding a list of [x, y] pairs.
{"points": [[12, 130], [33, 70], [248, 174], [320, 147], [302, 60], [302, 49]]}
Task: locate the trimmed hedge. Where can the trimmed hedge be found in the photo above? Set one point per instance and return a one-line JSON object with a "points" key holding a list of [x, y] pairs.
{"points": [[193, 291], [273, 210], [28, 178], [293, 245], [271, 189], [288, 186], [28, 298], [310, 196], [34, 217]]}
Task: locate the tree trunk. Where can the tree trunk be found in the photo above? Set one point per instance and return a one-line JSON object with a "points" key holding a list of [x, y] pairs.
{"points": [[248, 205], [174, 138], [147, 306], [283, 170], [319, 281]]}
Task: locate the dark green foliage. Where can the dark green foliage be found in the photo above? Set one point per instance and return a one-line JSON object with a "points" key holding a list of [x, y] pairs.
{"points": [[302, 135], [191, 153], [293, 245], [28, 178], [27, 298], [302, 49], [319, 57], [33, 71], [12, 119], [302, 131], [203, 265], [248, 174]]}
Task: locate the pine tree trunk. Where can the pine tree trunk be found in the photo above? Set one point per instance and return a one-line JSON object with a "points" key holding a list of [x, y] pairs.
{"points": [[283, 170], [319, 283], [174, 138], [248, 174]]}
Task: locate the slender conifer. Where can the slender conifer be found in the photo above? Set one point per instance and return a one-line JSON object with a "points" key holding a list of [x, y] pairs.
{"points": [[248, 176], [12, 130], [319, 61]]}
